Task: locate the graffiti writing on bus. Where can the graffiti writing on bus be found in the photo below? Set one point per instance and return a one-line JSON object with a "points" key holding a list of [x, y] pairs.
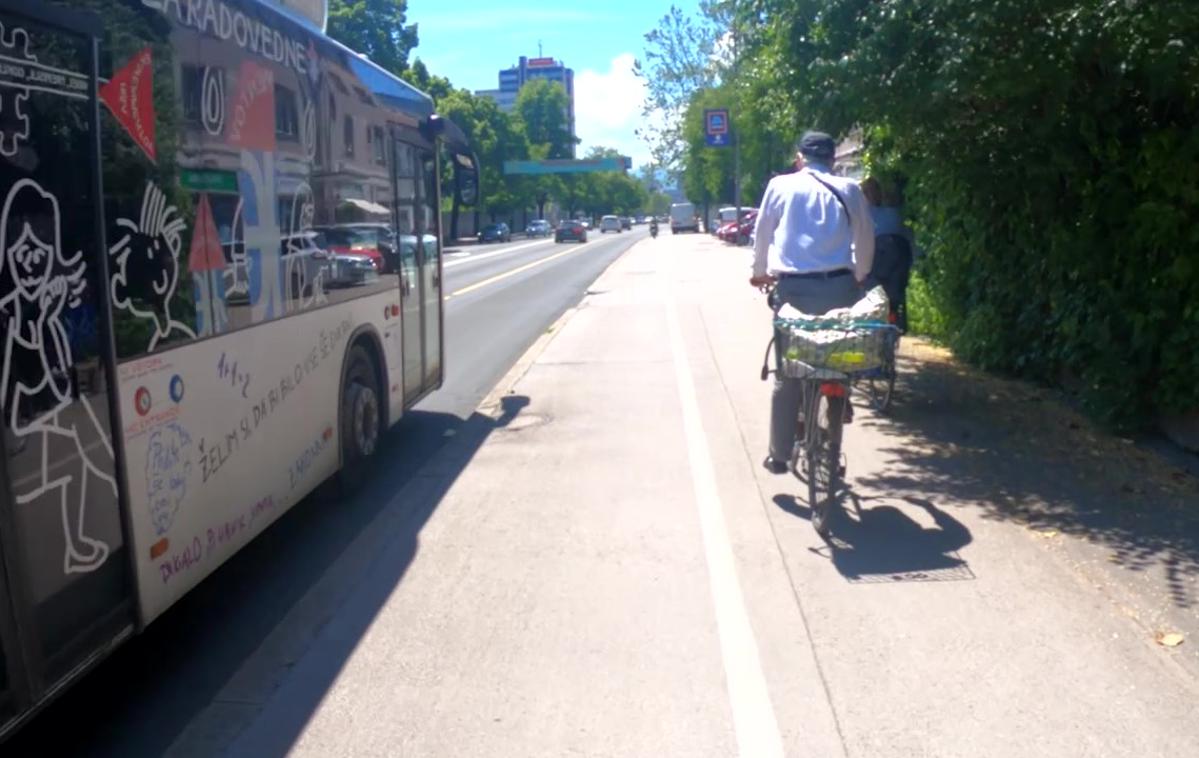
{"points": [[205, 545], [300, 467], [41, 282], [227, 369], [168, 465], [217, 451]]}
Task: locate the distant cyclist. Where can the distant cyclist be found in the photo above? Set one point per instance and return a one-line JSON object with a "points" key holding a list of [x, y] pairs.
{"points": [[815, 238]]}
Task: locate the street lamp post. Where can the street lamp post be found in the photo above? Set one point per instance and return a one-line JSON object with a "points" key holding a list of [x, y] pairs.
{"points": [[736, 142]]}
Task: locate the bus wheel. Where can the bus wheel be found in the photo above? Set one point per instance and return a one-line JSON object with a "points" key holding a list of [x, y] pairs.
{"points": [[360, 415]]}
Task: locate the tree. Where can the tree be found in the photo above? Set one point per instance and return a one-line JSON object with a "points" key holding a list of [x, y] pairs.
{"points": [[376, 28], [495, 138], [542, 114], [437, 87], [543, 109], [1049, 156]]}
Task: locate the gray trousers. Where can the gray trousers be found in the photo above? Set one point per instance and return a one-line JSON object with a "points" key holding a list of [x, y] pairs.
{"points": [[815, 296]]}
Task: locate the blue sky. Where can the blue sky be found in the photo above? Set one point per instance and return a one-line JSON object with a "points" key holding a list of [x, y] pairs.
{"points": [[468, 41]]}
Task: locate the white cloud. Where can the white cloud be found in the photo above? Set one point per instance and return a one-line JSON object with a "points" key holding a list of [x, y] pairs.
{"points": [[608, 109]]}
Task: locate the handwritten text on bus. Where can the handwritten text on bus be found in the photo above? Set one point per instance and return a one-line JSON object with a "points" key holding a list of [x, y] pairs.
{"points": [[203, 546], [215, 453]]}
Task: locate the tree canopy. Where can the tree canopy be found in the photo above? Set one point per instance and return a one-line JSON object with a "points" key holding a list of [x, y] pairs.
{"points": [[374, 27], [1048, 156]]}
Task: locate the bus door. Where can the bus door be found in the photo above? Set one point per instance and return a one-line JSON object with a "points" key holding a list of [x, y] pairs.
{"points": [[429, 221], [407, 235], [66, 594]]}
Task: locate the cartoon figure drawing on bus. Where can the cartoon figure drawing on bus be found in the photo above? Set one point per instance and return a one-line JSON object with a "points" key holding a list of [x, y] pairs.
{"points": [[38, 368], [147, 288], [14, 121], [168, 465]]}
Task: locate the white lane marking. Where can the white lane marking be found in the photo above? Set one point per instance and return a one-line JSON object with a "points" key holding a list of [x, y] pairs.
{"points": [[518, 269], [754, 722], [485, 256]]}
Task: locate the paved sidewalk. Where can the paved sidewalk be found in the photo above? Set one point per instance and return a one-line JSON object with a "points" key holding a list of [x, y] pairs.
{"points": [[612, 573]]}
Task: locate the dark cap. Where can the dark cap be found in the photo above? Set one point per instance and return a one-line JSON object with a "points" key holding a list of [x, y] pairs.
{"points": [[817, 145]]}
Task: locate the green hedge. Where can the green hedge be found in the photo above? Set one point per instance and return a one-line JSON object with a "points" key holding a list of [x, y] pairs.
{"points": [[1052, 159]]}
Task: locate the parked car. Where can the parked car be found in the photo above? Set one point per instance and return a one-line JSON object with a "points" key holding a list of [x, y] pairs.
{"points": [[538, 228], [727, 232], [573, 231], [626, 222], [495, 233], [307, 260], [748, 222], [361, 239], [381, 237], [738, 233], [610, 224]]}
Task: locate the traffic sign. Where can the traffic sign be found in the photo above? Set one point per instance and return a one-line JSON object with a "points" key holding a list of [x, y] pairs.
{"points": [[716, 127]]}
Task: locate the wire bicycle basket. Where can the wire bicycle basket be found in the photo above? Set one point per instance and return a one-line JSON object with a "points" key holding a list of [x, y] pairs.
{"points": [[833, 349]]}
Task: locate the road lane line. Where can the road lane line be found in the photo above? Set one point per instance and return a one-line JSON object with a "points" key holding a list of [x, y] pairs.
{"points": [[494, 253], [517, 270], [754, 722]]}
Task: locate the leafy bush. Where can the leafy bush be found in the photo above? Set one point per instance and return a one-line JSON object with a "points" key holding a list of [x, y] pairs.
{"points": [[1053, 170]]}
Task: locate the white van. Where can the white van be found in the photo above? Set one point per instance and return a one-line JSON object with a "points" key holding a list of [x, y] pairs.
{"points": [[683, 219]]}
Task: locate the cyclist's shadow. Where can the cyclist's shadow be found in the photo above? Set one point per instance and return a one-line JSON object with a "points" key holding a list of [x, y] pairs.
{"points": [[883, 543]]}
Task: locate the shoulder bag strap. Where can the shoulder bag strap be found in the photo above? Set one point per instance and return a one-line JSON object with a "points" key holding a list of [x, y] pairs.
{"points": [[836, 194]]}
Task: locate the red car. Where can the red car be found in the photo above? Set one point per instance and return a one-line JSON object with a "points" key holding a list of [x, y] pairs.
{"points": [[738, 233], [747, 227], [350, 240]]}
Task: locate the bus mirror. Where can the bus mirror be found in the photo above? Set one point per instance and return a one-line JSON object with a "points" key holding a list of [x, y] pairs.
{"points": [[466, 179]]}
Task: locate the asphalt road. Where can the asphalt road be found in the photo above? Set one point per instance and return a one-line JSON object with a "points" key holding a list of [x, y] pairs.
{"points": [[499, 299]]}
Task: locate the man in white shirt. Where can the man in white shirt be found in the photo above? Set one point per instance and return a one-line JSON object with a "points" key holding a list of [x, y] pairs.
{"points": [[814, 237]]}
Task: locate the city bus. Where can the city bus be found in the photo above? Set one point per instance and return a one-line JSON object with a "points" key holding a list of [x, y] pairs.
{"points": [[190, 343]]}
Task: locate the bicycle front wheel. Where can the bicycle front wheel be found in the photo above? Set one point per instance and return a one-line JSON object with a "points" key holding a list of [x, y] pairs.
{"points": [[824, 427]]}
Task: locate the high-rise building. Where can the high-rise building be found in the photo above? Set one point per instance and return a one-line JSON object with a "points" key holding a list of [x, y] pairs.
{"points": [[513, 78]]}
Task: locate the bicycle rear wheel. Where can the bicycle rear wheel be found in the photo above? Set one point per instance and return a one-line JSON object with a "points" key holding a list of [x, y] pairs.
{"points": [[823, 450]]}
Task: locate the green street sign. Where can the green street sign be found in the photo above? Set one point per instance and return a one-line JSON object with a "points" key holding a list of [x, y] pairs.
{"points": [[565, 166], [208, 180]]}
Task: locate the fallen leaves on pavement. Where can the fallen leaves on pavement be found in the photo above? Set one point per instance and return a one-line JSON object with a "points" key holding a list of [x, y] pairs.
{"points": [[1169, 639]]}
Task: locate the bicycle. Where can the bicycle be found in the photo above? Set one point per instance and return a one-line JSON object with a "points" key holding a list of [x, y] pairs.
{"points": [[827, 377], [880, 382]]}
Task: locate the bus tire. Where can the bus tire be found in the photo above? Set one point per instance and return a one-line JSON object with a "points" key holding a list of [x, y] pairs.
{"points": [[361, 416]]}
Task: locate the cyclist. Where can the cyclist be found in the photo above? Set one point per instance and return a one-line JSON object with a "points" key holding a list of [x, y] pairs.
{"points": [[815, 239], [893, 247]]}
